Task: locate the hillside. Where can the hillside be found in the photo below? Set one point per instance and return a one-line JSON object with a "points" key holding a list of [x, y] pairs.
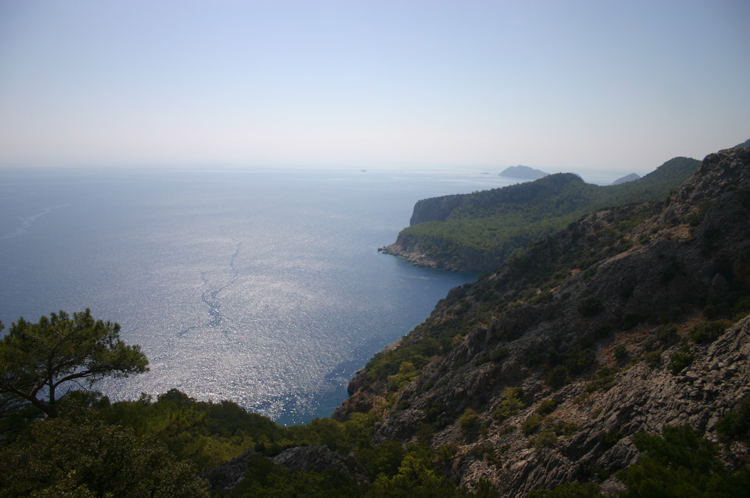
{"points": [[477, 232], [627, 321]]}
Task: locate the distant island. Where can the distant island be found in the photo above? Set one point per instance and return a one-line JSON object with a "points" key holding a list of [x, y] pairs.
{"points": [[523, 172], [625, 179]]}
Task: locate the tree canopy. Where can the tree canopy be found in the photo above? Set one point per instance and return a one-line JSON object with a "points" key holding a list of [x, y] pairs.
{"points": [[36, 359]]}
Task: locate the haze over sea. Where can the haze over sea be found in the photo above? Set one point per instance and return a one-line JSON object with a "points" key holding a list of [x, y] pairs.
{"points": [[264, 287]]}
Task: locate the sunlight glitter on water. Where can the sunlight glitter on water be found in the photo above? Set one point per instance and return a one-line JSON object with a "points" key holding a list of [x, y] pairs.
{"points": [[261, 287]]}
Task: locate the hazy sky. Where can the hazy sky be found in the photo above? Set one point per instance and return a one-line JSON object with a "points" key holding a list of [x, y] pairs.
{"points": [[560, 85]]}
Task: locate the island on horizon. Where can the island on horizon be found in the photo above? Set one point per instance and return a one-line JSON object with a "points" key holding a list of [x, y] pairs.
{"points": [[523, 172], [627, 178]]}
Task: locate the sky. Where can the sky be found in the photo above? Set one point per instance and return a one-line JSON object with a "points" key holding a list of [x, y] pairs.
{"points": [[556, 85]]}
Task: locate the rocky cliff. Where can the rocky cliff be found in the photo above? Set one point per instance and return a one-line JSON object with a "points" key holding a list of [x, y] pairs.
{"points": [[627, 320]]}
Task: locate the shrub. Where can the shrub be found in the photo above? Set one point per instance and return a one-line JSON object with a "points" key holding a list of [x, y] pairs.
{"points": [[604, 378], [666, 332], [508, 429], [602, 330], [569, 490], [469, 421], [681, 464], [649, 344], [406, 373], [609, 439], [482, 360], [620, 351], [446, 453], [629, 321], [735, 423], [580, 360], [558, 377], [531, 424], [499, 353], [741, 308], [511, 405], [569, 428], [546, 439], [591, 306], [547, 406], [709, 332], [679, 361], [653, 358]]}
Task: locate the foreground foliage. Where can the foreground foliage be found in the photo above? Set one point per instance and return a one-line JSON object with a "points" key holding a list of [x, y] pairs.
{"points": [[38, 359], [681, 464], [82, 456]]}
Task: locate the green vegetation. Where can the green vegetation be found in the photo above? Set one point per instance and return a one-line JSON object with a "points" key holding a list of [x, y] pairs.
{"points": [[545, 439], [678, 464], [510, 406], [400, 366], [679, 362], [532, 423], [558, 377], [469, 422], [591, 306], [547, 406], [569, 490], [735, 424], [620, 351], [496, 223], [709, 332], [81, 445], [81, 456], [37, 359], [681, 464]]}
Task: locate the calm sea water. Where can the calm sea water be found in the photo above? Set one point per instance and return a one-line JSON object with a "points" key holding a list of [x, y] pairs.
{"points": [[263, 287]]}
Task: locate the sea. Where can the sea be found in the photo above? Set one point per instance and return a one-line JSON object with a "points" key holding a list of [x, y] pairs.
{"points": [[261, 286]]}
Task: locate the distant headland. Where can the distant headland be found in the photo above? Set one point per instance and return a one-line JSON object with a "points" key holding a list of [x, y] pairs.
{"points": [[523, 172]]}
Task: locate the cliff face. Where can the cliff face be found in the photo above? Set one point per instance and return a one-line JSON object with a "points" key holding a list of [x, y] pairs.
{"points": [[543, 371]]}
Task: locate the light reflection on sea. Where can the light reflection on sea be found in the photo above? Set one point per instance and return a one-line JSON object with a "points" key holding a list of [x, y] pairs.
{"points": [[261, 287]]}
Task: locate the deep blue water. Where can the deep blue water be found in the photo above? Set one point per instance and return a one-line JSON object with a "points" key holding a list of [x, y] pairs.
{"points": [[263, 287]]}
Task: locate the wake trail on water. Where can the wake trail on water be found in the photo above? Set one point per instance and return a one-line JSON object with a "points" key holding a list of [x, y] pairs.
{"points": [[211, 300], [28, 221]]}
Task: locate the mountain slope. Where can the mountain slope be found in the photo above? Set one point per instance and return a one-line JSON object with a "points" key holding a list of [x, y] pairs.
{"points": [[477, 232], [543, 371]]}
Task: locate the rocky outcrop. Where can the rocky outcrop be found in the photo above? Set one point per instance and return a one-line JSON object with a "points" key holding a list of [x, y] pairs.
{"points": [[624, 290], [320, 459], [418, 251], [227, 476]]}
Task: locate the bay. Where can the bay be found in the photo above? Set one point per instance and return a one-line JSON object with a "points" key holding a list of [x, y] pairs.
{"points": [[256, 285]]}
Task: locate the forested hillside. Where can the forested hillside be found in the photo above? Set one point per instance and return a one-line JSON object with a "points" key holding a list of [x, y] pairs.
{"points": [[477, 232]]}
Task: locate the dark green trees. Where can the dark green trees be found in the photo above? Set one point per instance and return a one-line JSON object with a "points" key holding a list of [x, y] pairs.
{"points": [[36, 359]]}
